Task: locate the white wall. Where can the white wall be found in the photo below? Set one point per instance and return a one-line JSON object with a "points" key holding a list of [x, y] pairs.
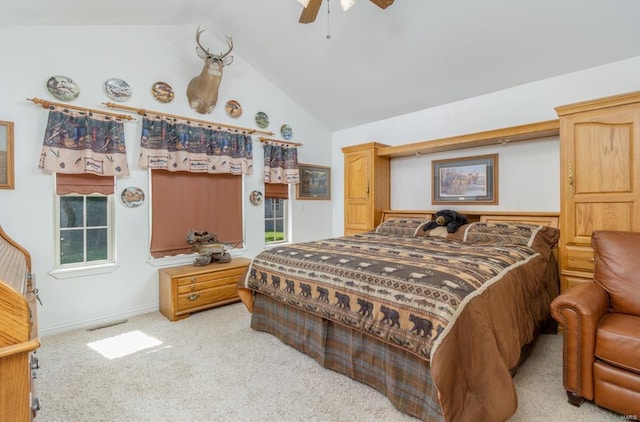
{"points": [[141, 55], [528, 172]]}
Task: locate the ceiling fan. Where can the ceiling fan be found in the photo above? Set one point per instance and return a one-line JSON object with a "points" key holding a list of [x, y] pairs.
{"points": [[311, 7]]}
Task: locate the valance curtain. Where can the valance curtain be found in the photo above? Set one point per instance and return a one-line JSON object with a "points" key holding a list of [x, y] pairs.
{"points": [[172, 145], [77, 142], [280, 163]]}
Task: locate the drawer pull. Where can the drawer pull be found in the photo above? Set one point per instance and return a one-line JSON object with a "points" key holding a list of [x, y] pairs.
{"points": [[194, 296], [193, 279]]}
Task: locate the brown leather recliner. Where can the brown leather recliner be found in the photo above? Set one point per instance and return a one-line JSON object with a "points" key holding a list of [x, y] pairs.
{"points": [[601, 327]]}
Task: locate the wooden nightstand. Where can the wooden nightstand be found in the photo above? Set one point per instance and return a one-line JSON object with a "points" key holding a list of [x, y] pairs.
{"points": [[187, 288]]}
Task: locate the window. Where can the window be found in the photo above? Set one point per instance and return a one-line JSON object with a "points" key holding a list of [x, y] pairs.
{"points": [[276, 204], [84, 229], [84, 221], [275, 220], [183, 201]]}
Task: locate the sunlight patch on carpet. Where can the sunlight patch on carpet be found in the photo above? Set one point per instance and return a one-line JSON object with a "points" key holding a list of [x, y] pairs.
{"points": [[124, 344]]}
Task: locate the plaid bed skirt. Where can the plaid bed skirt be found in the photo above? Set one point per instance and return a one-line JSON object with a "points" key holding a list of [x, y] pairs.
{"points": [[403, 377]]}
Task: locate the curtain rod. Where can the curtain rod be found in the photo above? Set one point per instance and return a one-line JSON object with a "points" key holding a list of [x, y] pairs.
{"points": [[47, 104], [277, 141], [142, 112]]}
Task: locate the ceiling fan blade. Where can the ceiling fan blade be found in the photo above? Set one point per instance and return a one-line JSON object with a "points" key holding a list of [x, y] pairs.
{"points": [[382, 4], [310, 12]]}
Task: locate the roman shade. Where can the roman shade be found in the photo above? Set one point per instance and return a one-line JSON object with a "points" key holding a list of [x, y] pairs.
{"points": [[184, 201]]}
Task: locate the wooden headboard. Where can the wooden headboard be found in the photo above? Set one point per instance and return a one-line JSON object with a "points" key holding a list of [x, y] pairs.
{"points": [[543, 218]]}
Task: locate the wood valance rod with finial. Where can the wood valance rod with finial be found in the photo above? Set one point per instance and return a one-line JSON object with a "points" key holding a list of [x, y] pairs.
{"points": [[47, 104], [142, 112], [278, 141]]}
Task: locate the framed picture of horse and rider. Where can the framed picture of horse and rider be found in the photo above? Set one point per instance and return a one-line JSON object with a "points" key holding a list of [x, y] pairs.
{"points": [[472, 180]]}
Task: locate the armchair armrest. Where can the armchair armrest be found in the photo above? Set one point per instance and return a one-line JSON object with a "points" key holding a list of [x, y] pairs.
{"points": [[579, 310]]}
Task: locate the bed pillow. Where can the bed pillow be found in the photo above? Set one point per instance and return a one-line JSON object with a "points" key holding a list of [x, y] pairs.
{"points": [[539, 238], [441, 231], [400, 226]]}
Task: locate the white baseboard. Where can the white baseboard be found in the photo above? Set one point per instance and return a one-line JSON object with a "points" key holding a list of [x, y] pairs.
{"points": [[60, 328]]}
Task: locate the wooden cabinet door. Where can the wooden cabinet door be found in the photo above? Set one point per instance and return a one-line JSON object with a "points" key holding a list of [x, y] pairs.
{"points": [[357, 191], [366, 187], [600, 171], [601, 152]]}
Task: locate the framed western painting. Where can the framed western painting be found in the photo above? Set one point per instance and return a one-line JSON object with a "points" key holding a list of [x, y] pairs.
{"points": [[315, 182], [466, 180], [6, 155]]}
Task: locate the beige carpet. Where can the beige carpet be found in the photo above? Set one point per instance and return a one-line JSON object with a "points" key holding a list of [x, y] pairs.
{"points": [[213, 367]]}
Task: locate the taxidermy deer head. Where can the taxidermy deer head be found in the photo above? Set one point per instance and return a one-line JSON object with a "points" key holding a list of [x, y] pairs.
{"points": [[202, 91]]}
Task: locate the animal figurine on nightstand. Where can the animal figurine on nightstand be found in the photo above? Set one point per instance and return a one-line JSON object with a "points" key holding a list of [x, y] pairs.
{"points": [[210, 251], [449, 218], [207, 258]]}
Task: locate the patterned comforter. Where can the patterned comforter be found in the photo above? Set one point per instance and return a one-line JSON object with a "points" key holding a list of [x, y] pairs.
{"points": [[403, 290], [412, 292]]}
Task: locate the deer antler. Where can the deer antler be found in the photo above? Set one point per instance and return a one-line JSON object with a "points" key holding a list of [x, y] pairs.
{"points": [[230, 44], [198, 32]]}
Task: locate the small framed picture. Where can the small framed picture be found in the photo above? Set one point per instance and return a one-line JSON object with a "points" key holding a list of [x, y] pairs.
{"points": [[466, 180], [6, 155], [315, 182]]}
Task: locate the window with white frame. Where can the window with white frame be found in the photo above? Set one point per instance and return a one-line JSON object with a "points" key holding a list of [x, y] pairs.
{"points": [[85, 230], [275, 220], [276, 215], [84, 220]]}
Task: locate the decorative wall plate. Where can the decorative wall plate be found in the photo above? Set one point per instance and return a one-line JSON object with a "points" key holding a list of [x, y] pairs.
{"points": [[132, 196], [63, 88], [233, 108], [262, 120], [256, 197], [162, 92], [117, 89], [286, 131]]}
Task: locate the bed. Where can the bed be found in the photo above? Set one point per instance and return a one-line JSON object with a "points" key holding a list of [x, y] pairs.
{"points": [[438, 322]]}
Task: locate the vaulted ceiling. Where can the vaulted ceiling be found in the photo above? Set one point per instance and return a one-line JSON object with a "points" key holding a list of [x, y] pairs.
{"points": [[367, 64]]}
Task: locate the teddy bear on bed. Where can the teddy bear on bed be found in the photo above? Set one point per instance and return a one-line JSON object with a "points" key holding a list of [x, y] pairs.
{"points": [[449, 218]]}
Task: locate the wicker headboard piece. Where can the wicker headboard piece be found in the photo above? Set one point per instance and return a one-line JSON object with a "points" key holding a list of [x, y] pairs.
{"points": [[15, 263]]}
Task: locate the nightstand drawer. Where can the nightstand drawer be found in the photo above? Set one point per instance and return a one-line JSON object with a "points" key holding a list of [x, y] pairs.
{"points": [[208, 284], [190, 302], [218, 275]]}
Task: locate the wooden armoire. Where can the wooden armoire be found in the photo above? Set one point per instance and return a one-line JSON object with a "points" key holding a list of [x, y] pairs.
{"points": [[600, 177], [366, 187]]}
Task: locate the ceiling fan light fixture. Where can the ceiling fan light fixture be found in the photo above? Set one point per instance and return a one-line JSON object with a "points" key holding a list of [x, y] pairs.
{"points": [[305, 3], [346, 4]]}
